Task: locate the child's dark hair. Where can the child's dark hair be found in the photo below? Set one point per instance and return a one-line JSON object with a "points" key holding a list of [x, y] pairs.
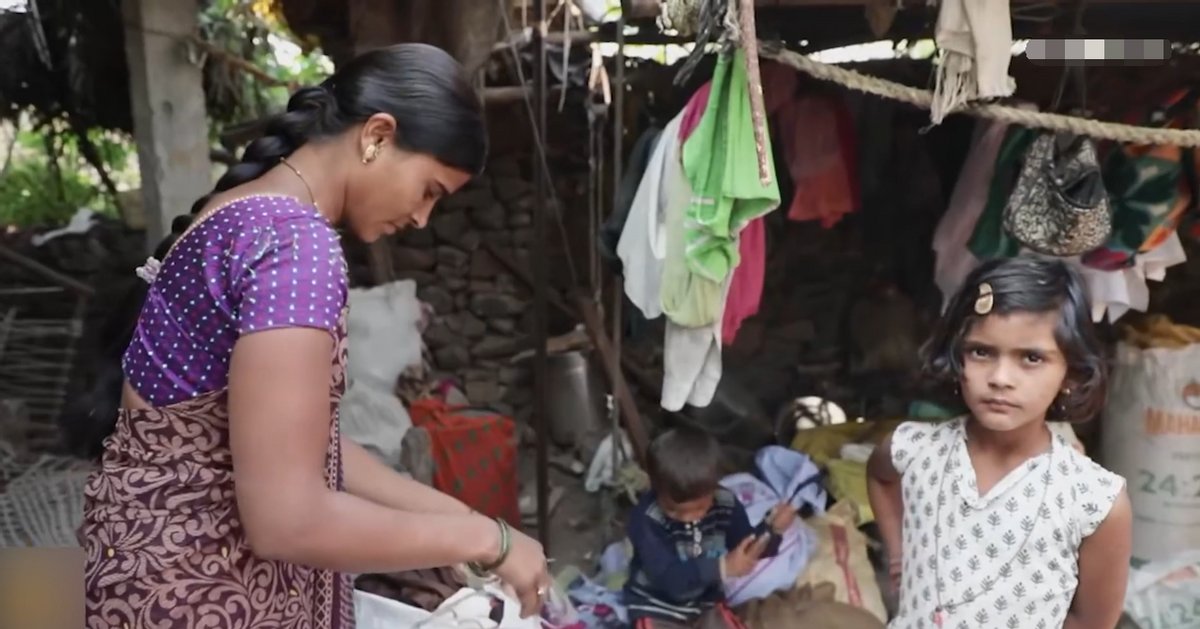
{"points": [[684, 464], [1027, 284]]}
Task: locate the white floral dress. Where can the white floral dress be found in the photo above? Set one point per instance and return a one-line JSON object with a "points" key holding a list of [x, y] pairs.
{"points": [[1007, 560]]}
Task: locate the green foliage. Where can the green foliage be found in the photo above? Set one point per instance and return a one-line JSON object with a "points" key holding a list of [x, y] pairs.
{"points": [[34, 193], [45, 179], [253, 30]]}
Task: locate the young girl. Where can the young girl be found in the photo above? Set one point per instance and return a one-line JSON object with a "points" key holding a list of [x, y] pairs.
{"points": [[990, 519]]}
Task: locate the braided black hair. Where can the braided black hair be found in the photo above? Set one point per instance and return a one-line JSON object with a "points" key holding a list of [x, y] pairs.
{"points": [[437, 112]]}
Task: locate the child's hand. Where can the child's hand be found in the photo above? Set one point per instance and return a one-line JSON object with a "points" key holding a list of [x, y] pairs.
{"points": [[740, 561], [781, 517]]}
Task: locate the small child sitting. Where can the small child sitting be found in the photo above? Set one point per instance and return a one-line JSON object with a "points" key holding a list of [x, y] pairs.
{"points": [[688, 535]]}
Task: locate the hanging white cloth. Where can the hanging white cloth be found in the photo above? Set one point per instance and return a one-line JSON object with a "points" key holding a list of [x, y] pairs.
{"points": [[1116, 292], [643, 243], [975, 41], [1112, 293], [692, 363], [691, 355]]}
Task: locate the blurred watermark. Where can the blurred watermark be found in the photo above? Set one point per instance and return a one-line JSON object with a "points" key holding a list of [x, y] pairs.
{"points": [[1098, 52], [41, 588]]}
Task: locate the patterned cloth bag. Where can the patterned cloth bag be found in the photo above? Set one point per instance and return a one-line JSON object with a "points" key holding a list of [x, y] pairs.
{"points": [[1059, 206], [474, 454]]}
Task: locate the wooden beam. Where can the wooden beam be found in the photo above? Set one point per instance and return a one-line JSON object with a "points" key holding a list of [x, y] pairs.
{"points": [[502, 94]]}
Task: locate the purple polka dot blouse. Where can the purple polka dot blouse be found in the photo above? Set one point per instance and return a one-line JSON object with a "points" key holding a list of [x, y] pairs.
{"points": [[259, 263]]}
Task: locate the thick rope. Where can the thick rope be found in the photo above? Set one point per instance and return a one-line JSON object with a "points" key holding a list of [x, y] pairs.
{"points": [[1130, 134]]}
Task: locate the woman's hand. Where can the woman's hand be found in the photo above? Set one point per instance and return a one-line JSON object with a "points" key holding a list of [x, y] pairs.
{"points": [[526, 571]]}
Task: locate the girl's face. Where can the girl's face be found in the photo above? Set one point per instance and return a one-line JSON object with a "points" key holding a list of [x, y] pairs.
{"points": [[1012, 369], [396, 189]]}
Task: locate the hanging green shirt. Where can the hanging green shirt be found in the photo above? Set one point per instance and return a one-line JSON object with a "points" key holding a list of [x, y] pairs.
{"points": [[721, 162]]}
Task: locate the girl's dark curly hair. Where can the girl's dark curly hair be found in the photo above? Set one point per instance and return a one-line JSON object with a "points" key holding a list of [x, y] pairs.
{"points": [[1027, 284]]}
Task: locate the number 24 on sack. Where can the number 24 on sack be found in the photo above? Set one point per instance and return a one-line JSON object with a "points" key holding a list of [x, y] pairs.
{"points": [[475, 456]]}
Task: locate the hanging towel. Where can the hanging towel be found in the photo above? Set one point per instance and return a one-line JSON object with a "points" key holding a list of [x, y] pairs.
{"points": [[643, 244], [975, 41], [721, 163]]}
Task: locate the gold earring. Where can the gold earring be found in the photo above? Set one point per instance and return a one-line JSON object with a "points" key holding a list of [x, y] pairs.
{"points": [[985, 301], [370, 153]]}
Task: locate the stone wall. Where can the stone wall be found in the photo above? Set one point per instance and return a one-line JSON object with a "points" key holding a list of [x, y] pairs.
{"points": [[482, 310]]}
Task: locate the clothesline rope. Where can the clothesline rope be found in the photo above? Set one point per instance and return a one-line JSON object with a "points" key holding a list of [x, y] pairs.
{"points": [[1098, 129]]}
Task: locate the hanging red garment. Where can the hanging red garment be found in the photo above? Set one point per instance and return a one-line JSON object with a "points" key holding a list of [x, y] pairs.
{"points": [[779, 85], [817, 138], [475, 454]]}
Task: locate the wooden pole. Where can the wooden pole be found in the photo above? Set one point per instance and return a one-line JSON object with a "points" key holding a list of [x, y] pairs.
{"points": [[758, 107]]}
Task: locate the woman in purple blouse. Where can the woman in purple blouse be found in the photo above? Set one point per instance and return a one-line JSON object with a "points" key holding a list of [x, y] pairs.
{"points": [[226, 496]]}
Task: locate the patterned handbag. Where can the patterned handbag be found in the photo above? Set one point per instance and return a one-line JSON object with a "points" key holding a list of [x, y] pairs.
{"points": [[1059, 206]]}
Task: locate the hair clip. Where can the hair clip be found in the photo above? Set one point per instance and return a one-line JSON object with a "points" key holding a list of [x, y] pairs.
{"points": [[149, 271], [985, 301]]}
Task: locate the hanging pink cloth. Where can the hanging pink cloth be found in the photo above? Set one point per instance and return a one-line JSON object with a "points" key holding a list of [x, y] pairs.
{"points": [[746, 285], [818, 143], [693, 111]]}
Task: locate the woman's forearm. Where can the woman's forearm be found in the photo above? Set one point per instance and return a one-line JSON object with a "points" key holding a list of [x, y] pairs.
{"points": [[346, 533], [370, 479]]}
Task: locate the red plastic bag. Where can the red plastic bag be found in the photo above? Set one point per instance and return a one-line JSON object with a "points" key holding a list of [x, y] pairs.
{"points": [[474, 454]]}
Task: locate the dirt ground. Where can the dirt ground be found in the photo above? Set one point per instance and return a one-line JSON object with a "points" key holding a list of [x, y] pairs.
{"points": [[582, 524]]}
